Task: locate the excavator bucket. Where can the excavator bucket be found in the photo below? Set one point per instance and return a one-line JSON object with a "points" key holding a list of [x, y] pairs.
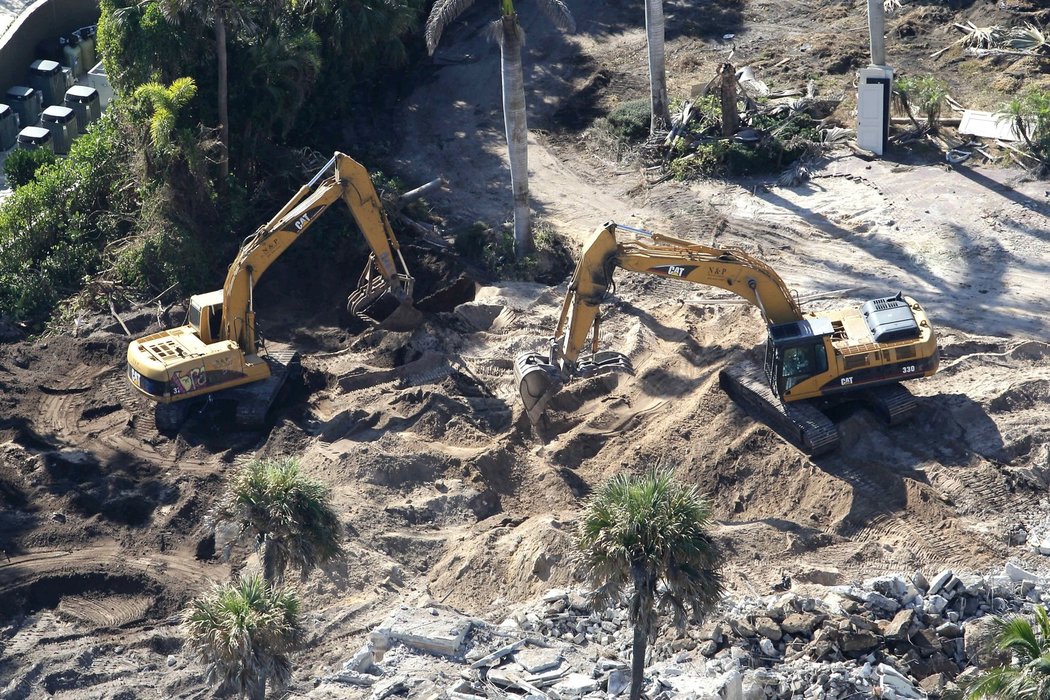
{"points": [[538, 381], [404, 318]]}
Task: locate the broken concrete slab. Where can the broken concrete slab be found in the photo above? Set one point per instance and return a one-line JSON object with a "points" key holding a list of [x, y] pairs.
{"points": [[538, 660], [433, 630]]}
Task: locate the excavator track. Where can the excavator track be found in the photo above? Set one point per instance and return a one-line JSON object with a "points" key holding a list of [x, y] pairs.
{"points": [[801, 422], [892, 402], [254, 401]]}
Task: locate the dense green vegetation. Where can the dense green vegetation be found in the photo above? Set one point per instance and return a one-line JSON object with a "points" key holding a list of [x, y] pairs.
{"points": [[140, 207]]}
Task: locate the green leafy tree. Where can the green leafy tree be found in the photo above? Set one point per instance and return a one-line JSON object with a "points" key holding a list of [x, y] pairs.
{"points": [[507, 31], [288, 515], [222, 16], [243, 633], [139, 45], [280, 70], [1028, 677], [21, 166], [53, 230], [649, 535]]}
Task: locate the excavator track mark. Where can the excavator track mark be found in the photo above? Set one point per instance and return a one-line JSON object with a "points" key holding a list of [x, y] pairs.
{"points": [[801, 422], [892, 402]]}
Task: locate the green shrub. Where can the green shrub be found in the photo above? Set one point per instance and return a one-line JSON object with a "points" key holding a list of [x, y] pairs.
{"points": [[54, 227], [630, 120], [471, 242], [21, 165]]}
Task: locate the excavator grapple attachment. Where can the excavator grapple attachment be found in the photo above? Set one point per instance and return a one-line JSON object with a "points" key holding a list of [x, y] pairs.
{"points": [[537, 381], [372, 288]]}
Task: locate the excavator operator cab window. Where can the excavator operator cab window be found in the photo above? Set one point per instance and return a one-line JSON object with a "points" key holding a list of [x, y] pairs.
{"points": [[205, 315], [802, 362], [193, 317]]}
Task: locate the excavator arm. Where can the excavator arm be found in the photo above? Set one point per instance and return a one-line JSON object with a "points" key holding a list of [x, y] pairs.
{"points": [[385, 271], [538, 376]]}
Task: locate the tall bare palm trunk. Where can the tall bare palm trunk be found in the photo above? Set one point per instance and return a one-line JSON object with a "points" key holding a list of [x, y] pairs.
{"points": [[654, 36], [514, 118], [645, 590], [224, 117]]}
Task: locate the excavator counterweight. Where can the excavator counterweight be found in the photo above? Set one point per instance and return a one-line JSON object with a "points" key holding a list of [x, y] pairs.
{"points": [[812, 359]]}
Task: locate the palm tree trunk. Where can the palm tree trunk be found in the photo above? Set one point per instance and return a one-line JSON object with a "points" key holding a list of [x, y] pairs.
{"points": [[730, 116], [517, 131], [224, 116], [644, 595], [660, 119], [641, 638]]}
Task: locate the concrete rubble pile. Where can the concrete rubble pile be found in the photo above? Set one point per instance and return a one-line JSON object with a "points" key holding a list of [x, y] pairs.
{"points": [[889, 637]]}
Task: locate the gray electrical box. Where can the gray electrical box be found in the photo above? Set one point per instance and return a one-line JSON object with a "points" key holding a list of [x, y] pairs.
{"points": [[34, 137], [25, 101], [62, 123], [46, 76], [84, 100]]}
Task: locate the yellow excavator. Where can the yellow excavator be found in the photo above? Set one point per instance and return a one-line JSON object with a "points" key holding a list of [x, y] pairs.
{"points": [[219, 350], [812, 359]]}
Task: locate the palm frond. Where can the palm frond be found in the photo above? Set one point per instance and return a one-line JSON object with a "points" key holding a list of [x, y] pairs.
{"points": [[1029, 38], [559, 14], [650, 533], [243, 632], [981, 37], [289, 516], [442, 14]]}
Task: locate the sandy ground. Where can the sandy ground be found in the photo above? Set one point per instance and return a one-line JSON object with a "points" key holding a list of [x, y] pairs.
{"points": [[446, 491]]}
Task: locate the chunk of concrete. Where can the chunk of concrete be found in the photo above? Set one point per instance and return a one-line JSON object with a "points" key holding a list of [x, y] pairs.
{"points": [[575, 685], [538, 660], [432, 630]]}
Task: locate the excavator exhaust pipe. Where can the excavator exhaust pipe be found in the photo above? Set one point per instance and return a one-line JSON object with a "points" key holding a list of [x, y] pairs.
{"points": [[537, 381]]}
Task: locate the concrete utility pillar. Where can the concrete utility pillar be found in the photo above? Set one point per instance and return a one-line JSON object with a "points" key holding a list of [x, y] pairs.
{"points": [[874, 84]]}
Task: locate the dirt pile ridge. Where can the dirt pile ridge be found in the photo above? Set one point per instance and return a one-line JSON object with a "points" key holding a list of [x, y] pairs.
{"points": [[447, 493]]}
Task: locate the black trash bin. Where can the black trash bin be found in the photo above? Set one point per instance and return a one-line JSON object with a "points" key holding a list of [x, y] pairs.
{"points": [[26, 103], [62, 123], [34, 137], [46, 76], [84, 100]]}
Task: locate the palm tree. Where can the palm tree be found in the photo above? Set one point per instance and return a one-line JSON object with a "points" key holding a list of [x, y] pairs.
{"points": [[243, 632], [507, 31], [289, 516], [1029, 675], [221, 15], [165, 103], [650, 532], [660, 115]]}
